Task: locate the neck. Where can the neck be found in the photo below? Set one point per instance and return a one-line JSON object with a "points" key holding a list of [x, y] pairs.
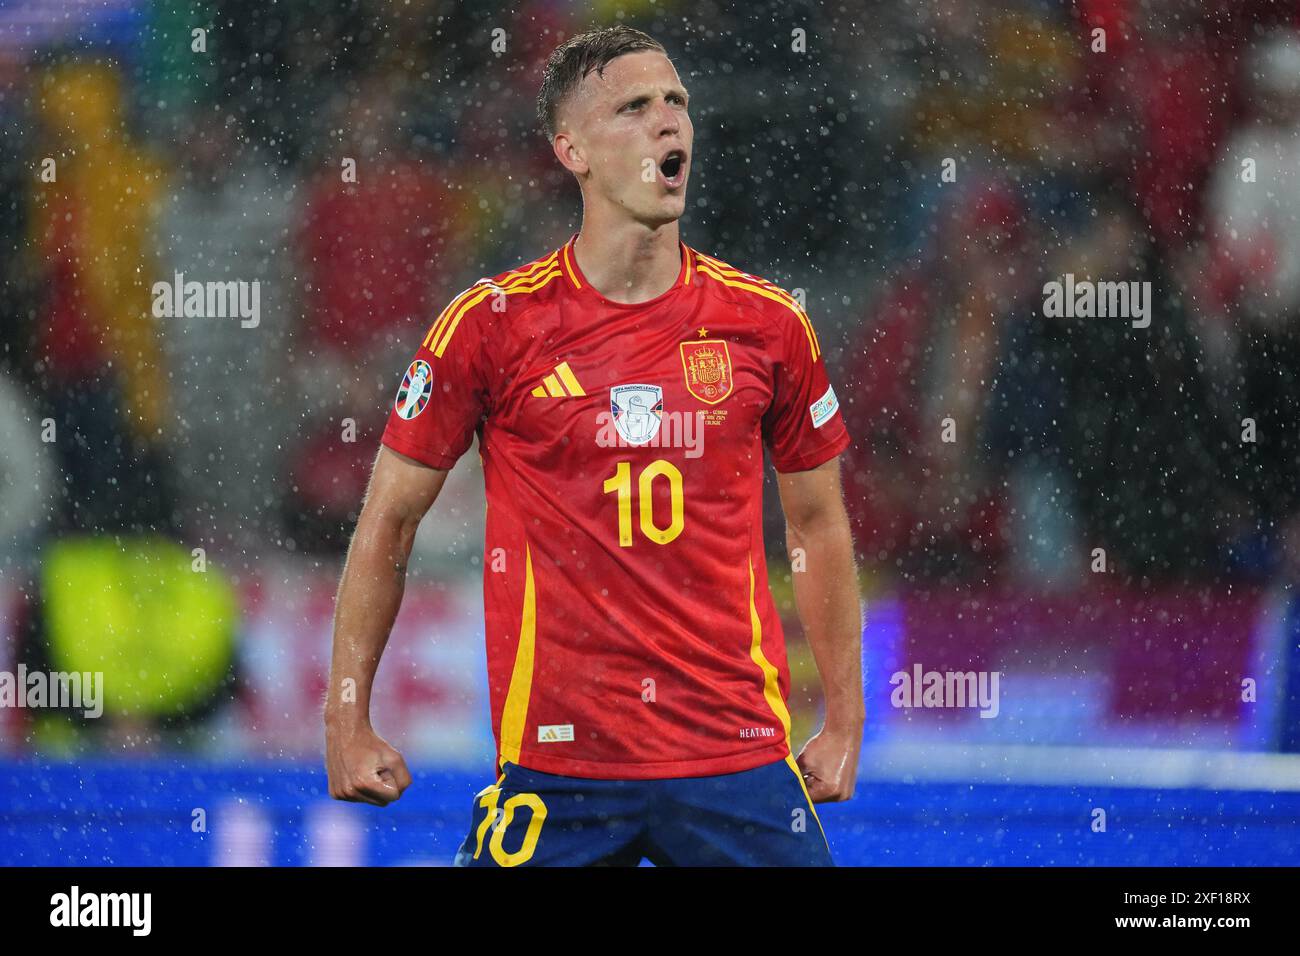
{"points": [[628, 262]]}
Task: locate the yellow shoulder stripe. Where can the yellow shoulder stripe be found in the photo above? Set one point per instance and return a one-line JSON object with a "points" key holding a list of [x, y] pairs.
{"points": [[445, 326], [447, 311], [768, 293], [568, 268], [729, 270], [538, 266]]}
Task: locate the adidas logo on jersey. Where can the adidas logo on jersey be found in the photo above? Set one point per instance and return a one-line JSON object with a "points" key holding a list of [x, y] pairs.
{"points": [[561, 383], [554, 733]]}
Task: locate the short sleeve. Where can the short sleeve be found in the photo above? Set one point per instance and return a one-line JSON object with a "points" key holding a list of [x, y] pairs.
{"points": [[443, 395], [803, 426]]}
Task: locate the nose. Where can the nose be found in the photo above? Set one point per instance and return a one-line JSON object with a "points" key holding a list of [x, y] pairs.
{"points": [[669, 122]]}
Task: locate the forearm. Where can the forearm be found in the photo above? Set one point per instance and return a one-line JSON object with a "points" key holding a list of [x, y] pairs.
{"points": [[370, 594], [826, 596]]}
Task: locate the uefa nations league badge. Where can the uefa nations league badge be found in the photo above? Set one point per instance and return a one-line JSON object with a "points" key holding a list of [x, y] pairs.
{"points": [[417, 386], [637, 411]]}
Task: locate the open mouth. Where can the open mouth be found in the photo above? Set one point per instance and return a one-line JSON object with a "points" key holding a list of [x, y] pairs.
{"points": [[673, 169]]}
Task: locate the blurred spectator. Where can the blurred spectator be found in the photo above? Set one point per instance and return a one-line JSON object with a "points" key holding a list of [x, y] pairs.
{"points": [[97, 347], [26, 478], [1118, 418], [227, 219], [1160, 103], [922, 503], [1250, 296], [1253, 215], [381, 256]]}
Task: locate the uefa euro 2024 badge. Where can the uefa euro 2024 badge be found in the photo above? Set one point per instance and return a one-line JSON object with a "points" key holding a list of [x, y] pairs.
{"points": [[417, 386], [638, 410]]}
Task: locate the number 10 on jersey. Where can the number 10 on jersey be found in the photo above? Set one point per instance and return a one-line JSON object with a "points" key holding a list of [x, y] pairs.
{"points": [[621, 484]]}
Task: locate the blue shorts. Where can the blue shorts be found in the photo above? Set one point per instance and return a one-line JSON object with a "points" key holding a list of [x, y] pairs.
{"points": [[759, 817]]}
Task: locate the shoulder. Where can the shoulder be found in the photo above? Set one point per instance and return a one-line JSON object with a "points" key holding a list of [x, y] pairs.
{"points": [[779, 311], [484, 305]]}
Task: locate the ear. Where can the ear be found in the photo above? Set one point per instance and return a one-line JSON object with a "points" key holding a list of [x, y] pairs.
{"points": [[570, 154]]}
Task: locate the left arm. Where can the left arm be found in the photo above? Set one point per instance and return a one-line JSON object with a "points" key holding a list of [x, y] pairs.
{"points": [[826, 597]]}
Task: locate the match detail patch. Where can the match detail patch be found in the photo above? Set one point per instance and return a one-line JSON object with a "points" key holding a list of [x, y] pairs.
{"points": [[824, 407]]}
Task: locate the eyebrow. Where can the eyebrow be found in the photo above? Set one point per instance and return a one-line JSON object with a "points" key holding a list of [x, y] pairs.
{"points": [[639, 97]]}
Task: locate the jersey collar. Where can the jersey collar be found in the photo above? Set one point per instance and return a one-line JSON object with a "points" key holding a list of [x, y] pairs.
{"points": [[578, 282]]}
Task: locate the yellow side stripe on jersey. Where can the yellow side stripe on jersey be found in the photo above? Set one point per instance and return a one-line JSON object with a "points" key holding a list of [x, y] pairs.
{"points": [[522, 284], [749, 286], [515, 713], [793, 764], [510, 279], [772, 689], [728, 270]]}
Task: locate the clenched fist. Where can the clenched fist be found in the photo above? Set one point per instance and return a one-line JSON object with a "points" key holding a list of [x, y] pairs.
{"points": [[363, 767]]}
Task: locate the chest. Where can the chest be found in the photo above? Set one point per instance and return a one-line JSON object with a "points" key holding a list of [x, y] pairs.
{"points": [[679, 380]]}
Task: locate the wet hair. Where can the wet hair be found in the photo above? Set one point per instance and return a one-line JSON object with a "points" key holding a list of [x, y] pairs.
{"points": [[572, 60]]}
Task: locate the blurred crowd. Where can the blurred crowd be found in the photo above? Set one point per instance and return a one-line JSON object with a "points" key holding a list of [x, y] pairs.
{"points": [[1106, 139], [1165, 453]]}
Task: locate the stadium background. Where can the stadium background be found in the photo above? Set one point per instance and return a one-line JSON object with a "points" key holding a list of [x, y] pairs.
{"points": [[818, 168]]}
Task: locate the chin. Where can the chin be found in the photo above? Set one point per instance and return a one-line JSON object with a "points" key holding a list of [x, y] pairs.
{"points": [[669, 210]]}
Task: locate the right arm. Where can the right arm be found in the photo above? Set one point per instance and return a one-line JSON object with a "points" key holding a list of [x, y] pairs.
{"points": [[362, 766]]}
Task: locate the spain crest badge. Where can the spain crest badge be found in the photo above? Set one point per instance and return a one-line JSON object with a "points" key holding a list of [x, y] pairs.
{"points": [[707, 366]]}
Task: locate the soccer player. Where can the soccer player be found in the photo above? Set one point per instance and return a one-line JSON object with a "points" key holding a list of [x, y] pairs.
{"points": [[622, 388]]}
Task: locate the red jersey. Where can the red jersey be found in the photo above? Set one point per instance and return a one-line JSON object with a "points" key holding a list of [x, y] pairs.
{"points": [[630, 630]]}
